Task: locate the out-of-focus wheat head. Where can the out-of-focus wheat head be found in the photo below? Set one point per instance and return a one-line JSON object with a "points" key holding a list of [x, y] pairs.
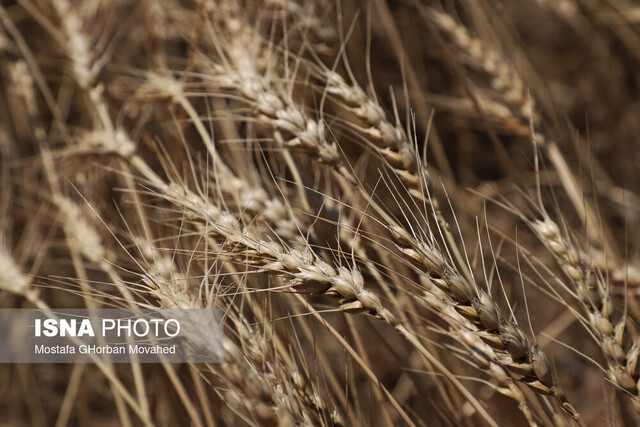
{"points": [[410, 212]]}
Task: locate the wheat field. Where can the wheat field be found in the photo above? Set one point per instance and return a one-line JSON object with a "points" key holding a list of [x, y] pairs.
{"points": [[411, 212]]}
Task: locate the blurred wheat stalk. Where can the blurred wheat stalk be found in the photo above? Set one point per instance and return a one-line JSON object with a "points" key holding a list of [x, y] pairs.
{"points": [[411, 212]]}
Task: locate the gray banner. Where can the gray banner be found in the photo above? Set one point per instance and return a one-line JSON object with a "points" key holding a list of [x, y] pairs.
{"points": [[111, 335]]}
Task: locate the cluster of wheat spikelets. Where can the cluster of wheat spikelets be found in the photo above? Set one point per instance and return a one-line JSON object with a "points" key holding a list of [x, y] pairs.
{"points": [[410, 212]]}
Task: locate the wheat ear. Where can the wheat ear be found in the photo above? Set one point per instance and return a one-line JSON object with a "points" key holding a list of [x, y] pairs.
{"points": [[622, 356], [517, 353]]}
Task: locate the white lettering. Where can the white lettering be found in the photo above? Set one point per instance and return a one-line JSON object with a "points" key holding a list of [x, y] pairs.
{"points": [[176, 330], [145, 324], [105, 328]]}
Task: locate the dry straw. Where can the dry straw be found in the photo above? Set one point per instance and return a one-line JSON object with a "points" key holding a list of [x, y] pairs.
{"points": [[273, 159]]}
